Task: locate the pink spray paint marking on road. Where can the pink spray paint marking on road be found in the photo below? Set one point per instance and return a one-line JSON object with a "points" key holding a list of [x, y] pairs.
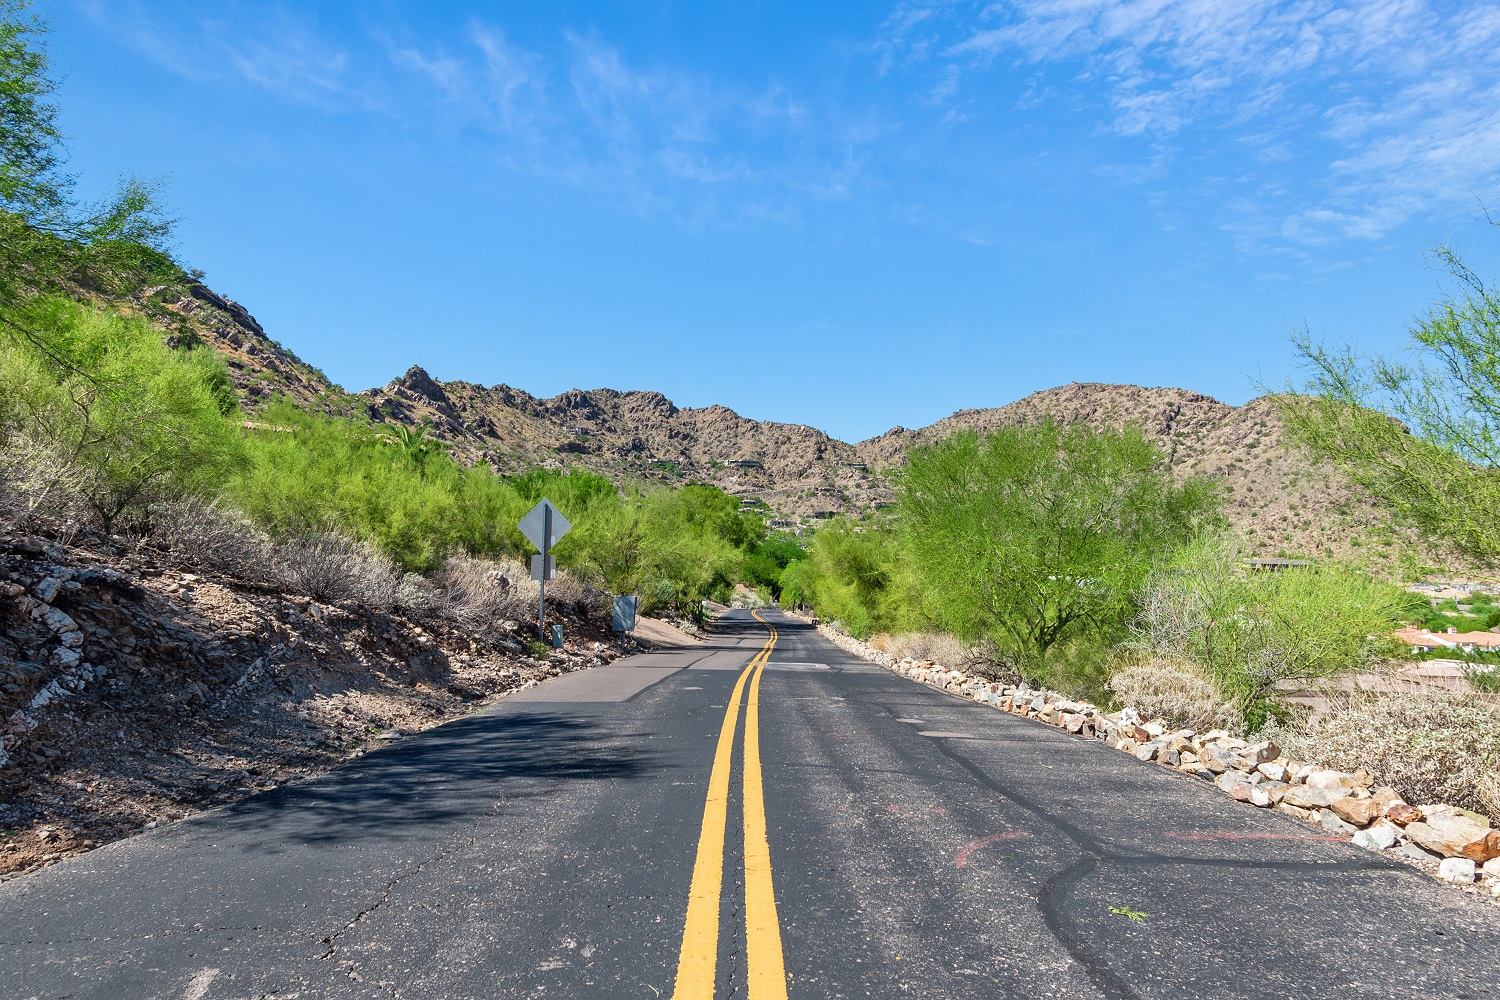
{"points": [[1193, 835], [962, 857]]}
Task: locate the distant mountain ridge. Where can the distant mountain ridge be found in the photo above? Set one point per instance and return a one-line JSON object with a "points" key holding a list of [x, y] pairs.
{"points": [[1278, 495]]}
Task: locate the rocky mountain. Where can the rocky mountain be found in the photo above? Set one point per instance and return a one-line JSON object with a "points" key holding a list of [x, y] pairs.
{"points": [[1279, 496]]}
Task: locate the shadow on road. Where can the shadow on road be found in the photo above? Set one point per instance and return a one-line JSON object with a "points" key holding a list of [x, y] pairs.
{"points": [[487, 763]]}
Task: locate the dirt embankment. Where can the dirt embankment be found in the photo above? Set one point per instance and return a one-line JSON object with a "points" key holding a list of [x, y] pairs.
{"points": [[134, 693]]}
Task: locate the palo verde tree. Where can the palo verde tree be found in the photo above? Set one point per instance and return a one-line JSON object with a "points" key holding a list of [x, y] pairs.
{"points": [[1421, 431], [50, 243], [1038, 535]]}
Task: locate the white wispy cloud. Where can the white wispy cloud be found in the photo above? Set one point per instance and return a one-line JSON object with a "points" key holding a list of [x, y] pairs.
{"points": [[653, 136], [285, 54], [1391, 107]]}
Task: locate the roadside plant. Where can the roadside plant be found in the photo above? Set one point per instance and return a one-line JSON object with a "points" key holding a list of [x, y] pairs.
{"points": [[1420, 431], [1251, 633], [1039, 536], [1429, 746]]}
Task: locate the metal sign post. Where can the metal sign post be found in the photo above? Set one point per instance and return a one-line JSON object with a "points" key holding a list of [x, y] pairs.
{"points": [[541, 590], [543, 527]]}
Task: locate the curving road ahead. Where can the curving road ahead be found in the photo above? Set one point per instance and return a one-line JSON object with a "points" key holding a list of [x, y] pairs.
{"points": [[764, 816]]}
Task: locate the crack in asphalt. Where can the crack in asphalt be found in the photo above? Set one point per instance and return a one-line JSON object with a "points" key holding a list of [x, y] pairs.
{"points": [[351, 968]]}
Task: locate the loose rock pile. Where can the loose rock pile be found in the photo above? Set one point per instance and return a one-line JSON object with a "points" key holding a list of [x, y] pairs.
{"points": [[1456, 845]]}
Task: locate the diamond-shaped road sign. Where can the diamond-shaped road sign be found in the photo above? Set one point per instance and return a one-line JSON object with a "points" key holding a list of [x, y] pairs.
{"points": [[533, 525]]}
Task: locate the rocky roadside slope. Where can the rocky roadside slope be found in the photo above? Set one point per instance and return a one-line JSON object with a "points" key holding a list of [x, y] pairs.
{"points": [[133, 692], [1455, 845]]}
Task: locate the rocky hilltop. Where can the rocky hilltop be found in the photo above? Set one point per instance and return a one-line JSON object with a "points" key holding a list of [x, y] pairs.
{"points": [[1285, 502], [795, 470]]}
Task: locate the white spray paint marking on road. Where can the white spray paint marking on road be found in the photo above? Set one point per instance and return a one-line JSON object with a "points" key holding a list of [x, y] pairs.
{"points": [[198, 986]]}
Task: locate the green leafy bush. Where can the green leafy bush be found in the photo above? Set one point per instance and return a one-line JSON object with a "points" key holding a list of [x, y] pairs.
{"points": [[1042, 535], [1251, 632]]}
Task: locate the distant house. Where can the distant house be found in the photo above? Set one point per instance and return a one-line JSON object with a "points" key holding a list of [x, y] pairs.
{"points": [[1426, 641], [743, 463], [1274, 565]]}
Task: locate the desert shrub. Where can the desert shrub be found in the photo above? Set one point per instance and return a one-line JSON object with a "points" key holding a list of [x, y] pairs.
{"points": [[1429, 747], [940, 647], [481, 593], [1176, 694], [1251, 633], [208, 535], [38, 484], [1483, 673], [335, 568]]}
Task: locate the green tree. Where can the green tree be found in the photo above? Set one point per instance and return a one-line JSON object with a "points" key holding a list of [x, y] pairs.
{"points": [[1420, 432], [1040, 535], [146, 422], [853, 573], [766, 563], [50, 244]]}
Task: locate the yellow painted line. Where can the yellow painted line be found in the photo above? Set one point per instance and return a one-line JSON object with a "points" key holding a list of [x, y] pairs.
{"points": [[765, 968], [697, 962]]}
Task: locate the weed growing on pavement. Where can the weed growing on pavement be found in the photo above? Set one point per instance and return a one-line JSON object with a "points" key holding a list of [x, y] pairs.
{"points": [[1124, 911]]}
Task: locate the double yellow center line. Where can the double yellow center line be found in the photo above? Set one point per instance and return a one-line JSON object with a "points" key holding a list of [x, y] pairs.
{"points": [[697, 963]]}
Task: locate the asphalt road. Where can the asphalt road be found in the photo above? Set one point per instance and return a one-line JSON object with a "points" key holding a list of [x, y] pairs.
{"points": [[606, 835]]}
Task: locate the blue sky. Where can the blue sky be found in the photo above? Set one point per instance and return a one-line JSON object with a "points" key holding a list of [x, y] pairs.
{"points": [[847, 215]]}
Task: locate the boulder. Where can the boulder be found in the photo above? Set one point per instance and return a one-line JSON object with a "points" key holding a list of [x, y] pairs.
{"points": [[1416, 853], [1379, 837], [1456, 837], [1401, 814], [1333, 824], [1273, 769], [1331, 780], [1261, 753], [1460, 870], [1359, 812], [1308, 797]]}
